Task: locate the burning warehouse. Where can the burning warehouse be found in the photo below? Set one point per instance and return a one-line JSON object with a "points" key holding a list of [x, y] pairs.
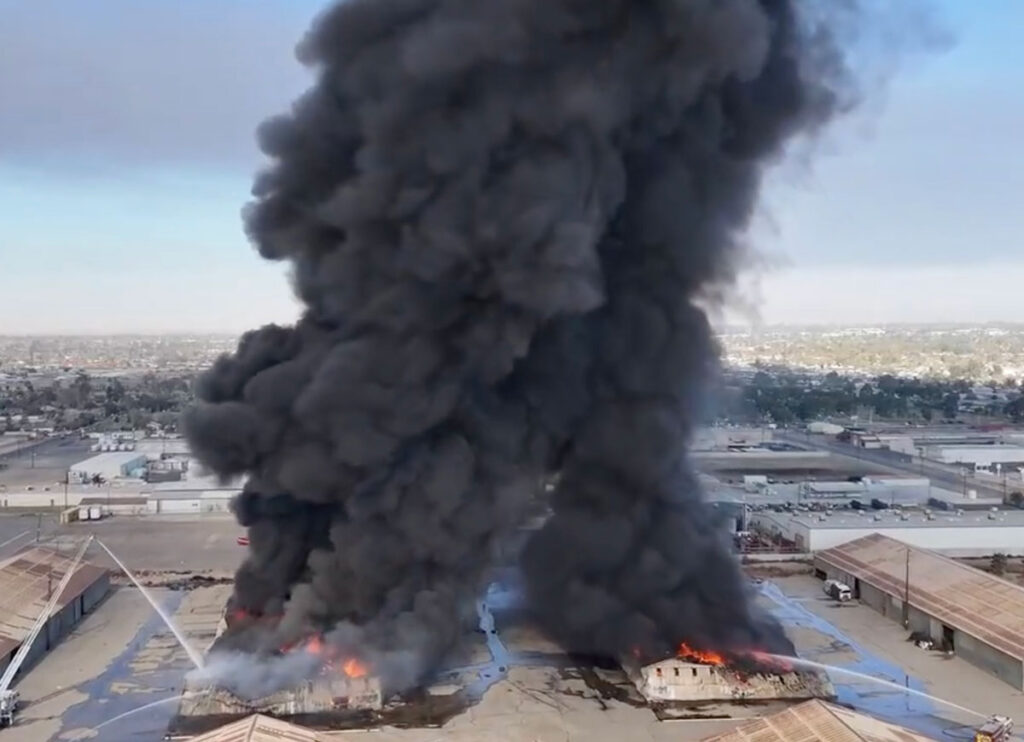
{"points": [[503, 219], [333, 689], [322, 701], [696, 676]]}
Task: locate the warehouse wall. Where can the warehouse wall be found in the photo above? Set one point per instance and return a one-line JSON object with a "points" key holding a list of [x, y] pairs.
{"points": [[95, 593], [979, 654], [63, 622], [872, 596], [960, 541], [918, 620]]}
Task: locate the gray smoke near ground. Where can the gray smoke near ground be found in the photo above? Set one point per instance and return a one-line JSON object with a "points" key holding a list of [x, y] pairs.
{"points": [[501, 216]]}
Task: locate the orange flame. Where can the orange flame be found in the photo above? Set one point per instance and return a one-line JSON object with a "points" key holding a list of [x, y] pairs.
{"points": [[705, 657], [353, 668], [315, 645]]}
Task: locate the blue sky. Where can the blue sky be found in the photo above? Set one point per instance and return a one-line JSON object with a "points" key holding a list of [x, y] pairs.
{"points": [[127, 151]]}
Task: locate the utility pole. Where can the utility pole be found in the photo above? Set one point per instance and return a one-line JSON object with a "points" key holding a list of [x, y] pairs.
{"points": [[906, 591]]}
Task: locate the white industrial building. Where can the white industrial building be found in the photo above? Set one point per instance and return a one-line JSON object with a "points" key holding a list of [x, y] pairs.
{"points": [[109, 466], [970, 533], [976, 456], [197, 493], [190, 502], [976, 615]]}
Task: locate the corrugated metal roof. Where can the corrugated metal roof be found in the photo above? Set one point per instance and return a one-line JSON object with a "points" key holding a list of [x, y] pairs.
{"points": [[25, 583], [109, 459], [817, 721], [259, 728], [967, 599]]}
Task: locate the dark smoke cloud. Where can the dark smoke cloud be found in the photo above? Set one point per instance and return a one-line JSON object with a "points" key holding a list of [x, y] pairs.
{"points": [[500, 215]]}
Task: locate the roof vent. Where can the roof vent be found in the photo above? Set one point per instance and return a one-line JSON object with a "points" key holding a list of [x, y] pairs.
{"points": [[992, 515]]}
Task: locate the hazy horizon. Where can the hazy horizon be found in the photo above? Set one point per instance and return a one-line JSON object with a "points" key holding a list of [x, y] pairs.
{"points": [[125, 218], [720, 328]]}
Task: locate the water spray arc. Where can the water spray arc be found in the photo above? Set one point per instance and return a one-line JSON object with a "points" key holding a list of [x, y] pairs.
{"points": [[811, 665], [146, 707], [193, 654]]}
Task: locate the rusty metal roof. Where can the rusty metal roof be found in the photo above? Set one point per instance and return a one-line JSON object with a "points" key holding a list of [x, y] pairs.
{"points": [[974, 602], [259, 728], [817, 721], [25, 583]]}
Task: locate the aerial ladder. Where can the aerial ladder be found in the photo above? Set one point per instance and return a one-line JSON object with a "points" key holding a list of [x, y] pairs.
{"points": [[8, 696]]}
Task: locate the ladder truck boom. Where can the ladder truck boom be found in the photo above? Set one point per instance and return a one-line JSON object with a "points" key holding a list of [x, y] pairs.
{"points": [[9, 697]]}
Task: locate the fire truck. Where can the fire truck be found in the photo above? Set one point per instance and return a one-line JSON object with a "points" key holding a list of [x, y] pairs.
{"points": [[996, 729]]}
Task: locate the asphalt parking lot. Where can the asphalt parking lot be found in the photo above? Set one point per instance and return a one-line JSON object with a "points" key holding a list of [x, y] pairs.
{"points": [[202, 544], [42, 465]]}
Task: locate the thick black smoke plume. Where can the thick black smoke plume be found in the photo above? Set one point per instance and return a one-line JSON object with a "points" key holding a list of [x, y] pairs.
{"points": [[500, 215]]}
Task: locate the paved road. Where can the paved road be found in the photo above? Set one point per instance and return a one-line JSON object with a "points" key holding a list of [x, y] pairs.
{"points": [[159, 542], [18, 531], [944, 476]]}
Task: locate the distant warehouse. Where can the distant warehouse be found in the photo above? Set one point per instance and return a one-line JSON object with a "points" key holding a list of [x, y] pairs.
{"points": [[107, 466], [26, 583], [977, 456], [954, 533], [978, 616]]}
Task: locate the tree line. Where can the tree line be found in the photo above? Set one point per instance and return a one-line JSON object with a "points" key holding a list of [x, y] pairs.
{"points": [[786, 397]]}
